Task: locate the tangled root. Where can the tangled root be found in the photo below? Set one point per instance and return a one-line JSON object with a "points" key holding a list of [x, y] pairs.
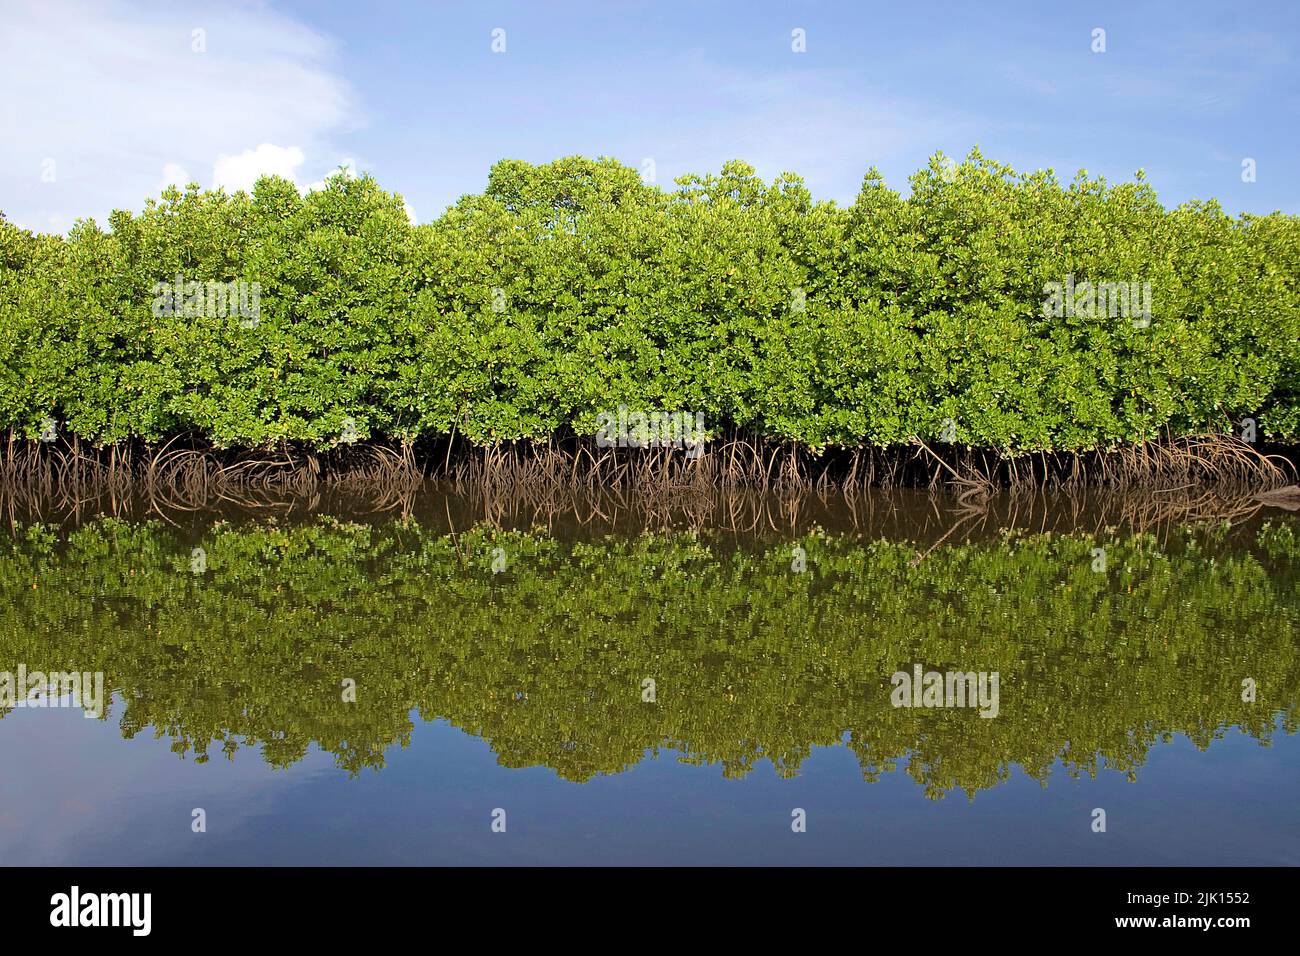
{"points": [[184, 474]]}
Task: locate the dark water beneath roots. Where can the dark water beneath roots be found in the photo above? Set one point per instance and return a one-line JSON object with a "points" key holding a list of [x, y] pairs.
{"points": [[460, 676]]}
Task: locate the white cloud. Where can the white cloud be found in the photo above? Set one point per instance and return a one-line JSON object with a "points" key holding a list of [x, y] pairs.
{"points": [[174, 175], [241, 171], [113, 94]]}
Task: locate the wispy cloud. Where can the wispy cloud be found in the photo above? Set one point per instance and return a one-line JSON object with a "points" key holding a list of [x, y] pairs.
{"points": [[102, 100], [829, 126]]}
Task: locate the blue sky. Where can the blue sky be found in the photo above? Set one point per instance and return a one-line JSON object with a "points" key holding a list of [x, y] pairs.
{"points": [[116, 95]]}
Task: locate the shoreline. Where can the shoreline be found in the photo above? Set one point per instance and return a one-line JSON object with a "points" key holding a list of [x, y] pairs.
{"points": [[187, 468]]}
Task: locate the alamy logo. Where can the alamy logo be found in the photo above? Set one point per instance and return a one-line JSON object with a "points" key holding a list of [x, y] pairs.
{"points": [[53, 689], [1129, 300], [652, 430], [103, 909], [951, 689], [209, 300]]}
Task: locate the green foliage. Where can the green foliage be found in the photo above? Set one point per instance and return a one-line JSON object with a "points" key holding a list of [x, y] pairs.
{"points": [[567, 289], [752, 661]]}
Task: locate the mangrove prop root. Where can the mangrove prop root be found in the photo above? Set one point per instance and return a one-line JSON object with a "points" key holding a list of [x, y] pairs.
{"points": [[186, 473]]}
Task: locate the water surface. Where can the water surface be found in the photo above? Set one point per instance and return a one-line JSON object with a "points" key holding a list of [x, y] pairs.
{"points": [[502, 655]]}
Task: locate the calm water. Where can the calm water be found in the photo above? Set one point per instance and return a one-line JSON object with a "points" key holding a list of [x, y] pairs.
{"points": [[655, 685]]}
